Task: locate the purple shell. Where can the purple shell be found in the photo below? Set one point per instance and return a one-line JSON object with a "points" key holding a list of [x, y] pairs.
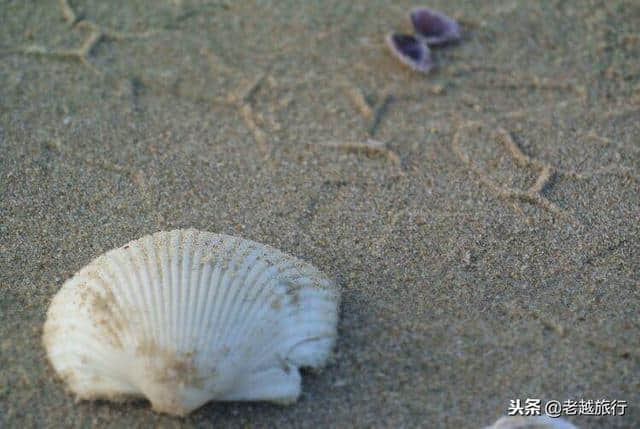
{"points": [[433, 27], [411, 51]]}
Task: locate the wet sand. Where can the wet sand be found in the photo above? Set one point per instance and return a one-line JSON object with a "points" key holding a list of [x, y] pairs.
{"points": [[483, 221]]}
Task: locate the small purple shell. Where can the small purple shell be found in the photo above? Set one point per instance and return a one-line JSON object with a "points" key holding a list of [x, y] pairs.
{"points": [[410, 51], [433, 27]]}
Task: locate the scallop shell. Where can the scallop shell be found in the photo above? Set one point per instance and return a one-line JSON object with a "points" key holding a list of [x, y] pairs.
{"points": [[185, 317]]}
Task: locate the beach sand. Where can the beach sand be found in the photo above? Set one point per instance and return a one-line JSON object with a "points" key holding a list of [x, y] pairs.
{"points": [[483, 220]]}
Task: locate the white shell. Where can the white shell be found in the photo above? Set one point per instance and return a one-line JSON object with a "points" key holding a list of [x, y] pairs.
{"points": [[185, 317], [531, 422]]}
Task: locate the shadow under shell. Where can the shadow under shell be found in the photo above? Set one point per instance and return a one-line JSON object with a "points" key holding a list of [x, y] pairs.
{"points": [[410, 51], [433, 27]]}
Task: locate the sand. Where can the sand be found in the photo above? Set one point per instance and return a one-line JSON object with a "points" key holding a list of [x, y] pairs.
{"points": [[483, 221]]}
